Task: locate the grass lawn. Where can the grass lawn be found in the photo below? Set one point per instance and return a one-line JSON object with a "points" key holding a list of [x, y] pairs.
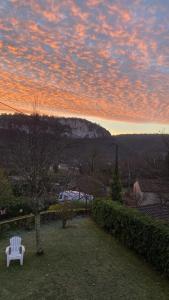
{"points": [[80, 262]]}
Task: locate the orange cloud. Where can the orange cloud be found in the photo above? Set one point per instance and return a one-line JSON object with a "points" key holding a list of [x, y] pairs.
{"points": [[93, 58]]}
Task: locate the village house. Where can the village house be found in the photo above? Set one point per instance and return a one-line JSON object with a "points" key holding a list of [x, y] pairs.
{"points": [[67, 167], [151, 192]]}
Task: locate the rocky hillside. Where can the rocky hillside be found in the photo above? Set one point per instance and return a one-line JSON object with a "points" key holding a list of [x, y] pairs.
{"points": [[81, 128], [69, 127]]}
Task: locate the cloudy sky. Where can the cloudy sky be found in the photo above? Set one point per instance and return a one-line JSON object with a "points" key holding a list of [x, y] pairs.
{"points": [[107, 61]]}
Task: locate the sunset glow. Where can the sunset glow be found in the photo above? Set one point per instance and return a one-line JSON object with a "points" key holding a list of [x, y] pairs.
{"points": [[103, 60]]}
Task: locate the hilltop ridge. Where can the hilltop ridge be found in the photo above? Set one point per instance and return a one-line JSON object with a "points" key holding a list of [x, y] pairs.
{"points": [[69, 127]]}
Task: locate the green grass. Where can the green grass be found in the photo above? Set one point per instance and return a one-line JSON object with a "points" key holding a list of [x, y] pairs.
{"points": [[80, 262]]}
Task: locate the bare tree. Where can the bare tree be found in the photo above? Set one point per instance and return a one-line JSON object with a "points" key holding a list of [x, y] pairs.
{"points": [[32, 160]]}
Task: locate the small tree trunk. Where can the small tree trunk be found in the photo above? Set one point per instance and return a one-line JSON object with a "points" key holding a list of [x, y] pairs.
{"points": [[39, 250]]}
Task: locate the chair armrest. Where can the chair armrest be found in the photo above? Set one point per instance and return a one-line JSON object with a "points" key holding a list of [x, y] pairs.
{"points": [[8, 250], [22, 249]]}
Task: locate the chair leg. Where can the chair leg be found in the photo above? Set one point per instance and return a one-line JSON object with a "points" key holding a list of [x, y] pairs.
{"points": [[21, 261], [8, 262]]}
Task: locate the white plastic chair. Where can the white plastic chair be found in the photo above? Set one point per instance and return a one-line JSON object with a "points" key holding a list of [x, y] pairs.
{"points": [[15, 251]]}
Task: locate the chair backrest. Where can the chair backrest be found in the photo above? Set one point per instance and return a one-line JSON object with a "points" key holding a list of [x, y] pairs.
{"points": [[15, 243]]}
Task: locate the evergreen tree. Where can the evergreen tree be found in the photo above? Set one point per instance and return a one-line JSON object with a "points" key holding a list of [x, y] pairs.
{"points": [[116, 188]]}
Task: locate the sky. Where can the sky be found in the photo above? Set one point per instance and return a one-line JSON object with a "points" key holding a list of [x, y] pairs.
{"points": [[107, 61]]}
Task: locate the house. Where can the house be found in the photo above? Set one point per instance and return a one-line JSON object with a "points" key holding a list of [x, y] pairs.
{"points": [[66, 167], [151, 192], [63, 167]]}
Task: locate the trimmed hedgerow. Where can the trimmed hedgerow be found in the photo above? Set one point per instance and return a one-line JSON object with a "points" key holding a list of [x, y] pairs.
{"points": [[147, 236]]}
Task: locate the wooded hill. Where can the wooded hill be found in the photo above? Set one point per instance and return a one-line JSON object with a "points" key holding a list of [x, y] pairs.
{"points": [[80, 142]]}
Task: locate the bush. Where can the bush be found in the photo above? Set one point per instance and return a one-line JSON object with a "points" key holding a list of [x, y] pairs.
{"points": [[76, 205], [147, 236], [54, 207], [64, 211], [18, 206], [59, 210], [82, 204]]}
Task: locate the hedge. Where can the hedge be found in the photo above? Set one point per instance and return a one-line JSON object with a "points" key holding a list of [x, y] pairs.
{"points": [[147, 236]]}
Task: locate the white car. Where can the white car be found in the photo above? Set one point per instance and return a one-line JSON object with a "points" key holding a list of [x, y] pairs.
{"points": [[74, 195]]}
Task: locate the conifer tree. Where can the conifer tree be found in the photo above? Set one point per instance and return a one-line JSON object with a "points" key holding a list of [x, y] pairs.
{"points": [[116, 188], [116, 184]]}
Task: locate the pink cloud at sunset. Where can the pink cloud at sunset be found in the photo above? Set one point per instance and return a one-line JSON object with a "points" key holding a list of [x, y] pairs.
{"points": [[101, 59]]}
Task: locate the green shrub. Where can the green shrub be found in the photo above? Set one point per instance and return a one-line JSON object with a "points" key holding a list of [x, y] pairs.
{"points": [[147, 236], [116, 188], [76, 205], [19, 206], [54, 207], [81, 204], [64, 211]]}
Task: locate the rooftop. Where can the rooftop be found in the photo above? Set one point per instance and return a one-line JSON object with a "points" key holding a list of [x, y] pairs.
{"points": [[154, 185]]}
